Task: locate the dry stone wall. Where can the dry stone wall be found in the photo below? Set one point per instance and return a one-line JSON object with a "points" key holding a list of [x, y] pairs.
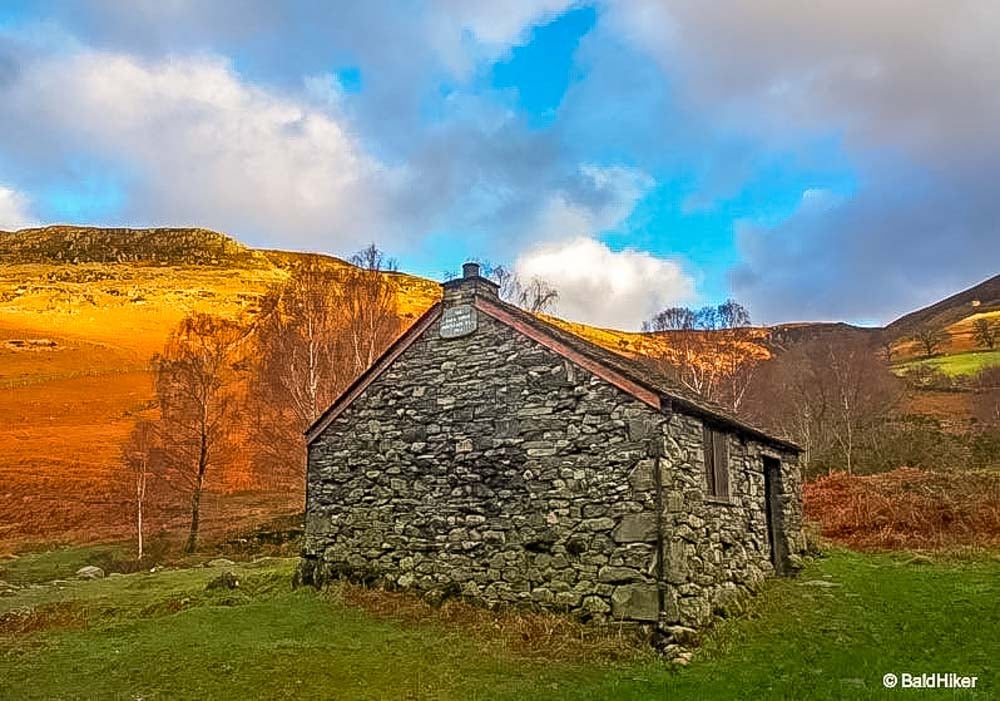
{"points": [[490, 466]]}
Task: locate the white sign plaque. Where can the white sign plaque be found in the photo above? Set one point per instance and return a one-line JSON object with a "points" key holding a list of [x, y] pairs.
{"points": [[458, 321]]}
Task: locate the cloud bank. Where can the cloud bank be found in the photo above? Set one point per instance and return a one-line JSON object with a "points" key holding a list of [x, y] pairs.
{"points": [[231, 115], [911, 93], [203, 147]]}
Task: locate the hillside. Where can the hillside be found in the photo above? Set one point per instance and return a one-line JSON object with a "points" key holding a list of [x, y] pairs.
{"points": [[82, 310], [979, 299], [954, 315], [75, 343], [784, 335]]}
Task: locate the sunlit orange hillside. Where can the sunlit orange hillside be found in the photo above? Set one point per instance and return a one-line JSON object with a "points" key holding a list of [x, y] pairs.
{"points": [[661, 344], [82, 310]]}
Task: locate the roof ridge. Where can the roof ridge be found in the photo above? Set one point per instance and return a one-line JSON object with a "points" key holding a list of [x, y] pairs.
{"points": [[640, 372]]}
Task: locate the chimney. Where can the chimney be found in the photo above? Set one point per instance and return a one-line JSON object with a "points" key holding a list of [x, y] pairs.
{"points": [[466, 288]]}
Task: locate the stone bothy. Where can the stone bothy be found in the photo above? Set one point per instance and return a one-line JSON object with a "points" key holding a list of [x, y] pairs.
{"points": [[491, 454]]}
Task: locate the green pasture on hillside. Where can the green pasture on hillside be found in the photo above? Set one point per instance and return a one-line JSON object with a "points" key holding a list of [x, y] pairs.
{"points": [[955, 365]]}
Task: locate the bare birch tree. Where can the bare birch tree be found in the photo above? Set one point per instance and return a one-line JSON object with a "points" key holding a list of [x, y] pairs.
{"points": [[196, 386], [303, 362], [370, 304], [300, 338], [711, 350], [138, 455], [534, 295], [828, 396], [316, 333]]}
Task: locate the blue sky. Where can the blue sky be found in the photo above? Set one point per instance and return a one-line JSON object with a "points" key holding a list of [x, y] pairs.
{"points": [[813, 162]]}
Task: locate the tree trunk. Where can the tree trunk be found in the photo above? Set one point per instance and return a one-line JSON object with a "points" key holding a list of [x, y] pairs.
{"points": [[850, 448], [140, 498], [192, 541], [139, 524]]}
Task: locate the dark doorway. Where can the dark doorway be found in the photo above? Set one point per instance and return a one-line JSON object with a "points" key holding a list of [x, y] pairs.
{"points": [[772, 499]]}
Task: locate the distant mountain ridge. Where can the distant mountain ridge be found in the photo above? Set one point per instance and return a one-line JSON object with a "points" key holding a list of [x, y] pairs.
{"points": [[785, 335], [171, 246], [984, 297]]}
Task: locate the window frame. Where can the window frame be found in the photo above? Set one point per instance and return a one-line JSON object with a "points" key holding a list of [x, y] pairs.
{"points": [[716, 463]]}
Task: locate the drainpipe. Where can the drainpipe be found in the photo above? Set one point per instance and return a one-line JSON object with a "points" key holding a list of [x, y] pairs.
{"points": [[667, 410], [661, 584]]}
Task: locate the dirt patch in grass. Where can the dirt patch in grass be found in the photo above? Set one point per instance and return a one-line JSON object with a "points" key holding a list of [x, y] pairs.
{"points": [[907, 508], [524, 634], [22, 621]]}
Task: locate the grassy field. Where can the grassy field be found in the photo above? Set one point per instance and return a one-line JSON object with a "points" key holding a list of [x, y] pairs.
{"points": [[957, 364], [163, 635]]}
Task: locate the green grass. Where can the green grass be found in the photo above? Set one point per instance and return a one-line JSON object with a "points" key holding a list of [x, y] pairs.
{"points": [[159, 636], [955, 365], [61, 563]]}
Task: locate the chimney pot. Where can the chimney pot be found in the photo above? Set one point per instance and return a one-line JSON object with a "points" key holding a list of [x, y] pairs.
{"points": [[463, 290]]}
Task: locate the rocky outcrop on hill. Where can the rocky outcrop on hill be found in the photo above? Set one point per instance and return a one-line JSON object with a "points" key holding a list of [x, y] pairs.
{"points": [[164, 246]]}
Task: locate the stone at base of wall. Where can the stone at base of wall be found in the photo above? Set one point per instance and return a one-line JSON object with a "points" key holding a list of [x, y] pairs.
{"points": [[634, 608], [305, 573], [313, 572]]}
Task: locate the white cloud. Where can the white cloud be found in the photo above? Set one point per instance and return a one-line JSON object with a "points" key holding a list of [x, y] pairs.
{"points": [[325, 88], [205, 147], [297, 162], [14, 210], [817, 199], [198, 144], [606, 288], [597, 285], [499, 24]]}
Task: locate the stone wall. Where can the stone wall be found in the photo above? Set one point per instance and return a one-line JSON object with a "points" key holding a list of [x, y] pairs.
{"points": [[490, 466], [718, 550]]}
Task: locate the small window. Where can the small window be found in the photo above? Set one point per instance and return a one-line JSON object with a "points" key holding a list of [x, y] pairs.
{"points": [[717, 462]]}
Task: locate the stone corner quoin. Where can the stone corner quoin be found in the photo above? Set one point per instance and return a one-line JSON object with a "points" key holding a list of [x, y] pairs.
{"points": [[482, 462]]}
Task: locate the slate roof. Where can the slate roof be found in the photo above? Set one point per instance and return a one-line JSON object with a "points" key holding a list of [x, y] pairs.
{"points": [[645, 373]]}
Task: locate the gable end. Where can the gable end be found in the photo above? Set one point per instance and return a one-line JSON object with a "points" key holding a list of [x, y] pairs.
{"points": [[607, 374], [372, 373]]}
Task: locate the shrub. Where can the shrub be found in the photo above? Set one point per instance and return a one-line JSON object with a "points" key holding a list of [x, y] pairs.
{"points": [[923, 376], [984, 450], [907, 507], [913, 441], [157, 549]]}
